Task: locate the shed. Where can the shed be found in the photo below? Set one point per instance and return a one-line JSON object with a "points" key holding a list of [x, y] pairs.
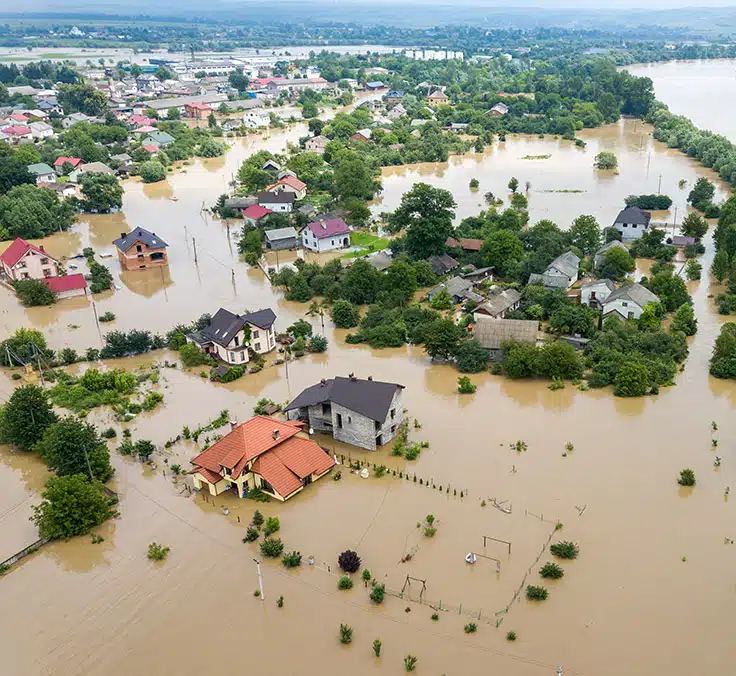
{"points": [[281, 238], [492, 333]]}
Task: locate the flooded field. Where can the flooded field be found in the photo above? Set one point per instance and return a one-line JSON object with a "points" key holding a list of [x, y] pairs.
{"points": [[652, 591], [704, 91]]}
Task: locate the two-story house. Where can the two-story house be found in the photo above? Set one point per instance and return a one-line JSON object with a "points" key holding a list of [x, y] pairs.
{"points": [[23, 260], [140, 249], [43, 173], [365, 413], [632, 223], [263, 453], [326, 235], [290, 184], [230, 337], [594, 294], [561, 273], [628, 301]]}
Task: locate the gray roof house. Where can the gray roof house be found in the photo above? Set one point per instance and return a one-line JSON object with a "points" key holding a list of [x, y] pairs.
{"points": [[150, 239], [457, 287], [632, 223], [561, 273], [381, 260], [282, 202], [493, 333], [160, 139], [281, 238], [595, 293], [601, 253], [91, 168], [498, 304], [365, 413], [442, 264], [628, 301]]}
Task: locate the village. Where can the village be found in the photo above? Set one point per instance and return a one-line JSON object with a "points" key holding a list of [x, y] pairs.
{"points": [[218, 311]]}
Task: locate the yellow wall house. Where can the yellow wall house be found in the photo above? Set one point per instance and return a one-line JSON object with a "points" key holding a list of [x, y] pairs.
{"points": [[275, 456]]}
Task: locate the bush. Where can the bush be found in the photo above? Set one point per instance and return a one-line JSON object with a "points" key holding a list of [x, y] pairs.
{"points": [[251, 535], [109, 433], [258, 519], [191, 355], [317, 344], [470, 628], [605, 160], [464, 386], [280, 601], [471, 357], [345, 315], [107, 317], [511, 636], [430, 531], [366, 575], [378, 591], [346, 634], [687, 478], [534, 593], [377, 647], [272, 548], [551, 570], [33, 292], [292, 559], [152, 171], [157, 552], [565, 549], [272, 525], [435, 617], [344, 583], [349, 561], [379, 471]]}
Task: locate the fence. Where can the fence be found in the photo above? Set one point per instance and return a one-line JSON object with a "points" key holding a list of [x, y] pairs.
{"points": [[26, 551]]}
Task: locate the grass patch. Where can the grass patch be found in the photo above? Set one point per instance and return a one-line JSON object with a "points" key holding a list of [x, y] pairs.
{"points": [[367, 243], [566, 190], [536, 157]]}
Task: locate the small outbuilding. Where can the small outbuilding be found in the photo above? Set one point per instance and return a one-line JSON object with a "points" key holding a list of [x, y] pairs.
{"points": [[280, 239]]}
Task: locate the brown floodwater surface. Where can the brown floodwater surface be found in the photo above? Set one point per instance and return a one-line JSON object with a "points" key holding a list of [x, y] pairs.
{"points": [[652, 591]]}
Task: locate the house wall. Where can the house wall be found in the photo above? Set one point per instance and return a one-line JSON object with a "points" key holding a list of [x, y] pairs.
{"points": [[601, 293], [556, 274], [282, 208], [309, 241], [281, 244], [200, 483], [314, 146], [32, 266], [132, 259], [630, 231], [626, 308], [71, 293], [46, 178], [359, 430]]}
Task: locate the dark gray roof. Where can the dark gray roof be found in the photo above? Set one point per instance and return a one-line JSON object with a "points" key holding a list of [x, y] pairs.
{"points": [[282, 197], [636, 293], [370, 398], [634, 215], [224, 325], [150, 239], [441, 265], [567, 263]]}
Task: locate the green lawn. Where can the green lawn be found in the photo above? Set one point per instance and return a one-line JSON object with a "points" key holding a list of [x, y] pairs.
{"points": [[367, 242]]}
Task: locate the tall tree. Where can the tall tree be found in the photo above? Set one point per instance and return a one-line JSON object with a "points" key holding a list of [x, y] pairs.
{"points": [[353, 179], [102, 193], [585, 234], [25, 417]]}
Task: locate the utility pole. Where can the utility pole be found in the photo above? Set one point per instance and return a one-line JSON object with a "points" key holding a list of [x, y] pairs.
{"points": [[89, 467], [94, 309], [194, 243], [659, 187], [260, 581]]}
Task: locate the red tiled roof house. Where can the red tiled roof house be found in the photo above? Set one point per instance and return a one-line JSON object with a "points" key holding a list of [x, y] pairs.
{"points": [[67, 286], [326, 235], [61, 161], [274, 456], [289, 184], [197, 110], [23, 260]]}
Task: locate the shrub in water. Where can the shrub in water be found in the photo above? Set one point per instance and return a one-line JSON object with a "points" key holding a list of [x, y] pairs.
{"points": [[257, 519], [551, 570], [272, 547], [346, 634], [272, 525], [251, 535], [292, 559], [511, 636], [366, 575], [687, 478], [470, 628], [344, 583], [377, 647], [536, 593], [410, 663], [349, 561], [377, 593], [280, 602], [564, 549], [157, 552]]}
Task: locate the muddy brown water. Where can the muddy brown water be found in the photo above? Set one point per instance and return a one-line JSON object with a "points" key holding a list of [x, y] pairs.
{"points": [[628, 604]]}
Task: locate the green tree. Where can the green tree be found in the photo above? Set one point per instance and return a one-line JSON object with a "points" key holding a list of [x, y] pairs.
{"points": [[13, 172], [670, 289], [471, 357], [33, 292], [361, 283], [650, 319], [82, 98], [617, 262], [585, 234], [344, 314], [67, 445], [31, 213], [503, 251], [685, 320], [309, 110], [28, 154], [211, 120], [632, 380], [353, 179], [442, 338], [694, 225], [693, 270], [442, 300], [152, 171], [574, 319], [425, 274], [513, 184], [723, 359], [605, 160], [720, 265], [102, 193], [71, 506], [559, 359], [426, 214], [25, 417], [400, 283], [702, 193], [521, 360], [173, 114], [254, 178]]}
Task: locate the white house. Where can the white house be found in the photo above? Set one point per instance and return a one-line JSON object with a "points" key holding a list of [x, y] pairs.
{"points": [[230, 337], [595, 293], [629, 301], [41, 130], [632, 223], [561, 273], [23, 260], [291, 184], [316, 144], [281, 202], [43, 173], [326, 235], [255, 118]]}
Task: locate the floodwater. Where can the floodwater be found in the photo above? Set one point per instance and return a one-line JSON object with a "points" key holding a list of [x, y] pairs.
{"points": [[652, 591], [704, 91]]}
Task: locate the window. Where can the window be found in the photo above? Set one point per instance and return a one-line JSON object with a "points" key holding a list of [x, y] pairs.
{"points": [[44, 261], [625, 303], [255, 334], [138, 248], [326, 409], [242, 356], [393, 428], [232, 356], [350, 419], [633, 225], [237, 341], [631, 315], [393, 413], [258, 347], [339, 420]]}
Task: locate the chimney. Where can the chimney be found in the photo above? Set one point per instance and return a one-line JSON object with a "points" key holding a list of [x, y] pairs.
{"points": [[370, 377], [275, 435], [233, 424], [123, 234], [323, 224], [323, 382], [40, 246]]}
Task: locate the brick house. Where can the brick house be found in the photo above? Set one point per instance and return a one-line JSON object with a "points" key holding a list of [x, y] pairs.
{"points": [[141, 249], [365, 413], [274, 456], [197, 110], [23, 260]]}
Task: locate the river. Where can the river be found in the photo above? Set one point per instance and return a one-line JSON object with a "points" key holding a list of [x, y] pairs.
{"points": [[651, 592]]}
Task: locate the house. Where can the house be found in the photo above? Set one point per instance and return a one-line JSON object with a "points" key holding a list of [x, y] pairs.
{"points": [[230, 337], [271, 166], [43, 173], [123, 158], [141, 249], [374, 85], [325, 235], [291, 184], [41, 130], [231, 125], [437, 98], [442, 264], [499, 110], [141, 121], [380, 260], [396, 112], [316, 144], [629, 301], [150, 148], [75, 118], [197, 110], [18, 133], [458, 127], [255, 118], [393, 96], [594, 294], [362, 136], [456, 287], [23, 260], [364, 413], [263, 453], [498, 304], [632, 223], [466, 244], [600, 255], [478, 275], [63, 189], [59, 163], [253, 213], [281, 202], [561, 273], [307, 210], [68, 286], [492, 333], [681, 241], [20, 118], [91, 168], [162, 106], [160, 139], [281, 238]]}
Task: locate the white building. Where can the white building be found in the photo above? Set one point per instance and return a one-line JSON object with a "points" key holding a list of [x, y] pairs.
{"points": [[253, 119], [629, 301], [321, 236], [632, 223], [594, 294]]}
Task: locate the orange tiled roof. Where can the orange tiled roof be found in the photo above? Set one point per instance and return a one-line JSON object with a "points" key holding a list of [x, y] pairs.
{"points": [[303, 457], [212, 477], [293, 182], [270, 467]]}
